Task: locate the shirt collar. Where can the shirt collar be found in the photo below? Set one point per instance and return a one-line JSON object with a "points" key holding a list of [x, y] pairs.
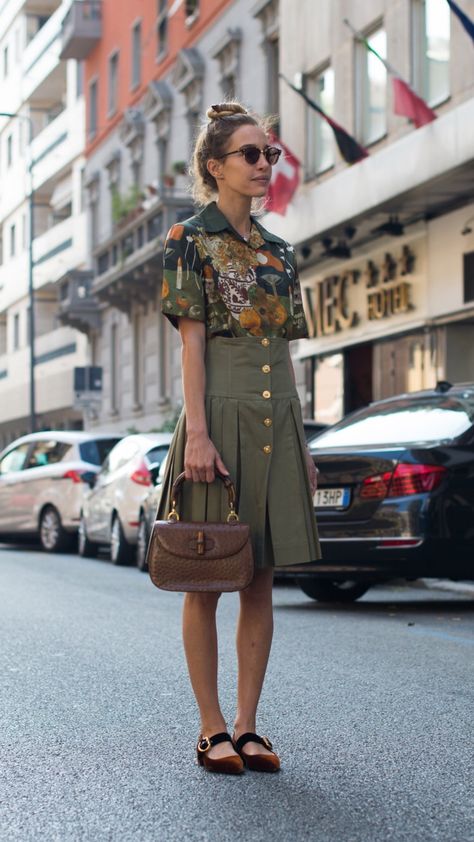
{"points": [[215, 221]]}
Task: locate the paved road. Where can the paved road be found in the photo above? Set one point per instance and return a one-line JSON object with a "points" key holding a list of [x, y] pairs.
{"points": [[370, 706]]}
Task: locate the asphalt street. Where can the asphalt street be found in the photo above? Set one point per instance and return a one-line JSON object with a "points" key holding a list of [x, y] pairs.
{"points": [[370, 707]]}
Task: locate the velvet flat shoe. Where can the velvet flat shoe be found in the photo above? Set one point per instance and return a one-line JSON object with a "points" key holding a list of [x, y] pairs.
{"points": [[257, 762], [229, 765]]}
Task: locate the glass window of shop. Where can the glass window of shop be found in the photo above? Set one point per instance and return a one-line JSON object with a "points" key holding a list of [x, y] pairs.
{"points": [[371, 88], [329, 389], [431, 49], [319, 136]]}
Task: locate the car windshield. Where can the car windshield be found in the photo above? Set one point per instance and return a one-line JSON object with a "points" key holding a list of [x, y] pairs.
{"points": [[402, 421], [96, 450]]}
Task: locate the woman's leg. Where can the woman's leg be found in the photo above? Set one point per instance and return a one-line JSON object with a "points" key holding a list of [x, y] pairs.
{"points": [[254, 640], [200, 646]]}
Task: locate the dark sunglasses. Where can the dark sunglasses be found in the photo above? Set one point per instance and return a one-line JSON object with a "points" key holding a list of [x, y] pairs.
{"points": [[252, 154]]}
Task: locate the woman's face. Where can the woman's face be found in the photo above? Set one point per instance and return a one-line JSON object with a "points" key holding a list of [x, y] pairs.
{"points": [[233, 174]]}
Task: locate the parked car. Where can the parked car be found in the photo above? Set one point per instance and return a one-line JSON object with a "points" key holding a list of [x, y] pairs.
{"points": [[147, 516], [395, 495], [313, 428], [110, 511], [41, 485]]}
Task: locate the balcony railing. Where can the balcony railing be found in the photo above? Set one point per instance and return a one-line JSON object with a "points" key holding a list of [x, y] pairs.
{"points": [[78, 307], [82, 29]]}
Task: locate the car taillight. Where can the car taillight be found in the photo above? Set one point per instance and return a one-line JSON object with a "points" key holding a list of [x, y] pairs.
{"points": [[73, 475], [141, 475], [406, 479]]}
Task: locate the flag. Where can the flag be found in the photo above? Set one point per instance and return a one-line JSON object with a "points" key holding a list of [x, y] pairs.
{"points": [[406, 102], [285, 179], [467, 23], [351, 151]]}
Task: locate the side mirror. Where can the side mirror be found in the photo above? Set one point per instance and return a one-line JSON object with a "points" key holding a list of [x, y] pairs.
{"points": [[90, 478]]}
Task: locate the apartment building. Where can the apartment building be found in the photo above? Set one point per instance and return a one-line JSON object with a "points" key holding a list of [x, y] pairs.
{"points": [[44, 95], [149, 75], [385, 246]]}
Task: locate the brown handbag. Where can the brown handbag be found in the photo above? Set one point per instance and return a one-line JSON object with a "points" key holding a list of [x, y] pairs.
{"points": [[195, 556]]}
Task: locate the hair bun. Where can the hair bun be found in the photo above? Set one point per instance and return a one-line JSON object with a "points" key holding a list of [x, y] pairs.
{"points": [[225, 109]]}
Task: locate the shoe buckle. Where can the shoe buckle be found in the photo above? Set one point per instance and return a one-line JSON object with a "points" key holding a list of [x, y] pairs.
{"points": [[204, 745], [266, 742]]}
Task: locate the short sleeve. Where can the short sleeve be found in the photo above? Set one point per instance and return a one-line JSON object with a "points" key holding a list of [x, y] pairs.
{"points": [[182, 292], [300, 327]]}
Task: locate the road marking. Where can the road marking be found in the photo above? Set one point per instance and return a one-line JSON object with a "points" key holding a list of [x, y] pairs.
{"points": [[444, 636]]}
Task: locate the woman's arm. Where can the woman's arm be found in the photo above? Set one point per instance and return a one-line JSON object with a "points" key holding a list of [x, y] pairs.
{"points": [[200, 456]]}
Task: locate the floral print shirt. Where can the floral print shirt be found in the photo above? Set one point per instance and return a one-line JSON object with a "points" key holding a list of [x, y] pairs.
{"points": [[237, 287]]}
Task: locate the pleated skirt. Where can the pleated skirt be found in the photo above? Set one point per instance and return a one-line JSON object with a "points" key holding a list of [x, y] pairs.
{"points": [[254, 420]]}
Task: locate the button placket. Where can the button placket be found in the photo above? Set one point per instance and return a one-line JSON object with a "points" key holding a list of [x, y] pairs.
{"points": [[267, 422]]}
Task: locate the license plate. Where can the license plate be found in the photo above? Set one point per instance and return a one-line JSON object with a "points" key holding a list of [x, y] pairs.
{"points": [[332, 498]]}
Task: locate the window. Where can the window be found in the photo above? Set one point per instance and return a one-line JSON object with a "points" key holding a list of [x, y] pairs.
{"points": [[93, 93], [113, 84], [191, 10], [96, 451], [273, 79], [468, 261], [12, 240], [5, 62], [79, 79], [137, 361], [430, 49], [114, 369], [16, 331], [371, 89], [9, 150], [162, 28], [319, 136], [47, 453], [14, 460], [136, 54]]}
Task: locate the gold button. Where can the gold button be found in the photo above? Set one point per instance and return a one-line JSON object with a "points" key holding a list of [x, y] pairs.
{"points": [[266, 394], [268, 422], [267, 448], [266, 368], [265, 342]]}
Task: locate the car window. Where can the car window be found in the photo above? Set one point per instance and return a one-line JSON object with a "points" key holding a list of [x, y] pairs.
{"points": [[46, 453], [156, 455], [96, 450], [402, 421], [14, 460]]}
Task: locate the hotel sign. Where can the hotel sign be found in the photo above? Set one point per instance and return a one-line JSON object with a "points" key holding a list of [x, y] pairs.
{"points": [[331, 306]]}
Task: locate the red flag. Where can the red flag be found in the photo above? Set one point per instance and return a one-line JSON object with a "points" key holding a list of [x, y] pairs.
{"points": [[284, 181], [408, 104]]}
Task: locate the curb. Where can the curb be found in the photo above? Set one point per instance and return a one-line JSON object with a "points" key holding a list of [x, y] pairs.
{"points": [[466, 588]]}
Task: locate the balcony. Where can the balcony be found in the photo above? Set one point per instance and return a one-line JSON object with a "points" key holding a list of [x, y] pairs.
{"points": [[129, 264], [78, 308], [82, 29], [42, 76]]}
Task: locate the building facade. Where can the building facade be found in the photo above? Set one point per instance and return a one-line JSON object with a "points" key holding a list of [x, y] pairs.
{"points": [[149, 77], [386, 246], [44, 96]]}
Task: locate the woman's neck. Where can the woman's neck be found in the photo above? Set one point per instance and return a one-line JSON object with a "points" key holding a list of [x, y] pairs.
{"points": [[237, 211]]}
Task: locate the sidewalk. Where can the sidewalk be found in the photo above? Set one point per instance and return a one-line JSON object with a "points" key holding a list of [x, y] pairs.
{"points": [[462, 587]]}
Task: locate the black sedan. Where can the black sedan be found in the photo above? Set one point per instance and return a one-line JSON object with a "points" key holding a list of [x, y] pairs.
{"points": [[395, 495]]}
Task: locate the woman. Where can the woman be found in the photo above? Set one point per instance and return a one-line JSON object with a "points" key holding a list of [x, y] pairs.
{"points": [[231, 288]]}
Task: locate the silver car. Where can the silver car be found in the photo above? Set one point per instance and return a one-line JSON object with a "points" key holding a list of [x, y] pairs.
{"points": [[41, 487], [110, 512]]}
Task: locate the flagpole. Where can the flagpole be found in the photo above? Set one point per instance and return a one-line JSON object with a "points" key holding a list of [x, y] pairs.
{"points": [[359, 36]]}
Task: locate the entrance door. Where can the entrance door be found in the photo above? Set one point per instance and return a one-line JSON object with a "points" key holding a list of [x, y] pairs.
{"points": [[358, 362]]}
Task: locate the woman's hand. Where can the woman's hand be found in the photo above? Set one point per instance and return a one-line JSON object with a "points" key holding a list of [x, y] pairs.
{"points": [[312, 472], [201, 459]]}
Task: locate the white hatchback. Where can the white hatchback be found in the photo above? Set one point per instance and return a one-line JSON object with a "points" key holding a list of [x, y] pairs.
{"points": [[41, 486], [111, 510]]}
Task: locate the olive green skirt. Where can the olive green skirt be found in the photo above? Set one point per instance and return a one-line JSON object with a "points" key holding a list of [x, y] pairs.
{"points": [[254, 420]]}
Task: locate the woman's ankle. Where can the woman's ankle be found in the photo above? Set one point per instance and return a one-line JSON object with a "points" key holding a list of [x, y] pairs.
{"points": [[213, 725], [244, 726]]}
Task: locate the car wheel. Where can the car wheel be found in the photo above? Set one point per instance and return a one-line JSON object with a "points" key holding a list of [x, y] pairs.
{"points": [[324, 590], [120, 550], [53, 537], [142, 544], [85, 548]]}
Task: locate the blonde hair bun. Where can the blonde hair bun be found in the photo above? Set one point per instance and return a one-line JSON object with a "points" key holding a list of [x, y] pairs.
{"points": [[225, 109]]}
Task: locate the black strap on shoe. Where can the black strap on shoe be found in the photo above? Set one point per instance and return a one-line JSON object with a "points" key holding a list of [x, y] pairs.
{"points": [[252, 738], [205, 743]]}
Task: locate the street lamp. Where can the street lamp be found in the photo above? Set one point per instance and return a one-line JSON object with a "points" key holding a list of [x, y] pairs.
{"points": [[31, 294]]}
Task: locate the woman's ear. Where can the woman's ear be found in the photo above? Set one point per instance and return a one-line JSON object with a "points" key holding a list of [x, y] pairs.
{"points": [[214, 167]]}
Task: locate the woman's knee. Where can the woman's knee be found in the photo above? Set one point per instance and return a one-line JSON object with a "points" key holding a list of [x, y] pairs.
{"points": [[260, 589]]}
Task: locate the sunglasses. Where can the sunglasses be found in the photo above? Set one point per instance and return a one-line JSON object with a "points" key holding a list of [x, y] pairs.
{"points": [[252, 154]]}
